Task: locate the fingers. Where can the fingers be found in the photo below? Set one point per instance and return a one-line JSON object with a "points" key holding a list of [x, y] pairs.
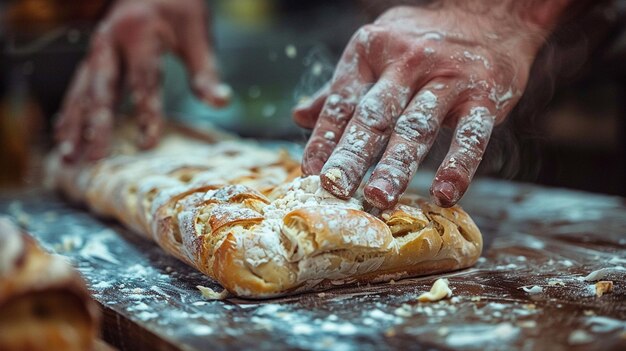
{"points": [[350, 83], [142, 51], [102, 91], [200, 60], [306, 113], [69, 126], [470, 140], [337, 111], [414, 133], [365, 136]]}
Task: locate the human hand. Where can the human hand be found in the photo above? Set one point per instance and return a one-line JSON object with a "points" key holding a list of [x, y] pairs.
{"points": [[132, 38], [405, 76]]}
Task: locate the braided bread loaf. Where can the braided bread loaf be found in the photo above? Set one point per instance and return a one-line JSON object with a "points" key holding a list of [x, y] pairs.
{"points": [[44, 303], [244, 216]]}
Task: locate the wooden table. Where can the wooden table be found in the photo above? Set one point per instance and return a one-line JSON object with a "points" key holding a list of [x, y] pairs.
{"points": [[527, 292]]}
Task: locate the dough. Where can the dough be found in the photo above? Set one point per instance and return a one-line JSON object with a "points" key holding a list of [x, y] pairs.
{"points": [[440, 290], [243, 215]]}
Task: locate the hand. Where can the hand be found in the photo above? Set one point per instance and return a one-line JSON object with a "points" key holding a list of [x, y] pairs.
{"points": [[134, 35], [403, 77]]}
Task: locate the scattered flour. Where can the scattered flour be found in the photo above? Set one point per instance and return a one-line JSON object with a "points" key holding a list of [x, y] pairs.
{"points": [[533, 290], [95, 248], [579, 337]]}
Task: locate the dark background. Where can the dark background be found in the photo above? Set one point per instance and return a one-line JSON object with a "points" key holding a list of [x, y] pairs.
{"points": [[568, 131]]}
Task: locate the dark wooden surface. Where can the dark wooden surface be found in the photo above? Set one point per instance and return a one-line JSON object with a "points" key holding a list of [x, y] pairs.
{"points": [[537, 239]]}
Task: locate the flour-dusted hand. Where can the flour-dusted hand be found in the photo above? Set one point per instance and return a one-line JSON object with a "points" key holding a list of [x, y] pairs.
{"points": [[458, 64], [133, 36]]}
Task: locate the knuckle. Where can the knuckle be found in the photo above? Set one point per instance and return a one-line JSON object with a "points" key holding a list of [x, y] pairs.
{"points": [[461, 165], [398, 172], [469, 142], [326, 134], [416, 126], [481, 91], [354, 162], [355, 139], [338, 108], [401, 156], [414, 55], [483, 86], [362, 142], [370, 36], [472, 136], [371, 113], [364, 33]]}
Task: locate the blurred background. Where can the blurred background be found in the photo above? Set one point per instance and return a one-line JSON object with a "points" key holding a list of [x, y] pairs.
{"points": [[568, 131]]}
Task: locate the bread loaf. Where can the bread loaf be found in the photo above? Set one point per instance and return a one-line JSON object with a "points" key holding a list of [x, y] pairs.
{"points": [[245, 216]]}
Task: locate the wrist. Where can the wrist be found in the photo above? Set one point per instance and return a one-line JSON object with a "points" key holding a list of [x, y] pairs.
{"points": [[542, 15]]}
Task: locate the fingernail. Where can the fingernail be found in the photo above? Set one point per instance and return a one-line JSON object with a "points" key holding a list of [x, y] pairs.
{"points": [[303, 102], [379, 193], [335, 181], [334, 174], [223, 91], [446, 194]]}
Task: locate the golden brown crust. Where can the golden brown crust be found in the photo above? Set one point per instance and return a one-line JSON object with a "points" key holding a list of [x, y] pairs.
{"points": [[243, 215], [44, 303], [330, 229], [230, 269]]}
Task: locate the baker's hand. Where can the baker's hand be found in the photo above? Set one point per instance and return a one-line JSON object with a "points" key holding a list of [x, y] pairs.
{"points": [[403, 77], [132, 37]]}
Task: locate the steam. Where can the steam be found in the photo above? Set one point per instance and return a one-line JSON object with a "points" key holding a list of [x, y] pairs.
{"points": [[319, 67]]}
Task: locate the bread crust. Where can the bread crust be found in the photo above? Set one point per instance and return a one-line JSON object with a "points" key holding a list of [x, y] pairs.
{"points": [[44, 303], [244, 216]]}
